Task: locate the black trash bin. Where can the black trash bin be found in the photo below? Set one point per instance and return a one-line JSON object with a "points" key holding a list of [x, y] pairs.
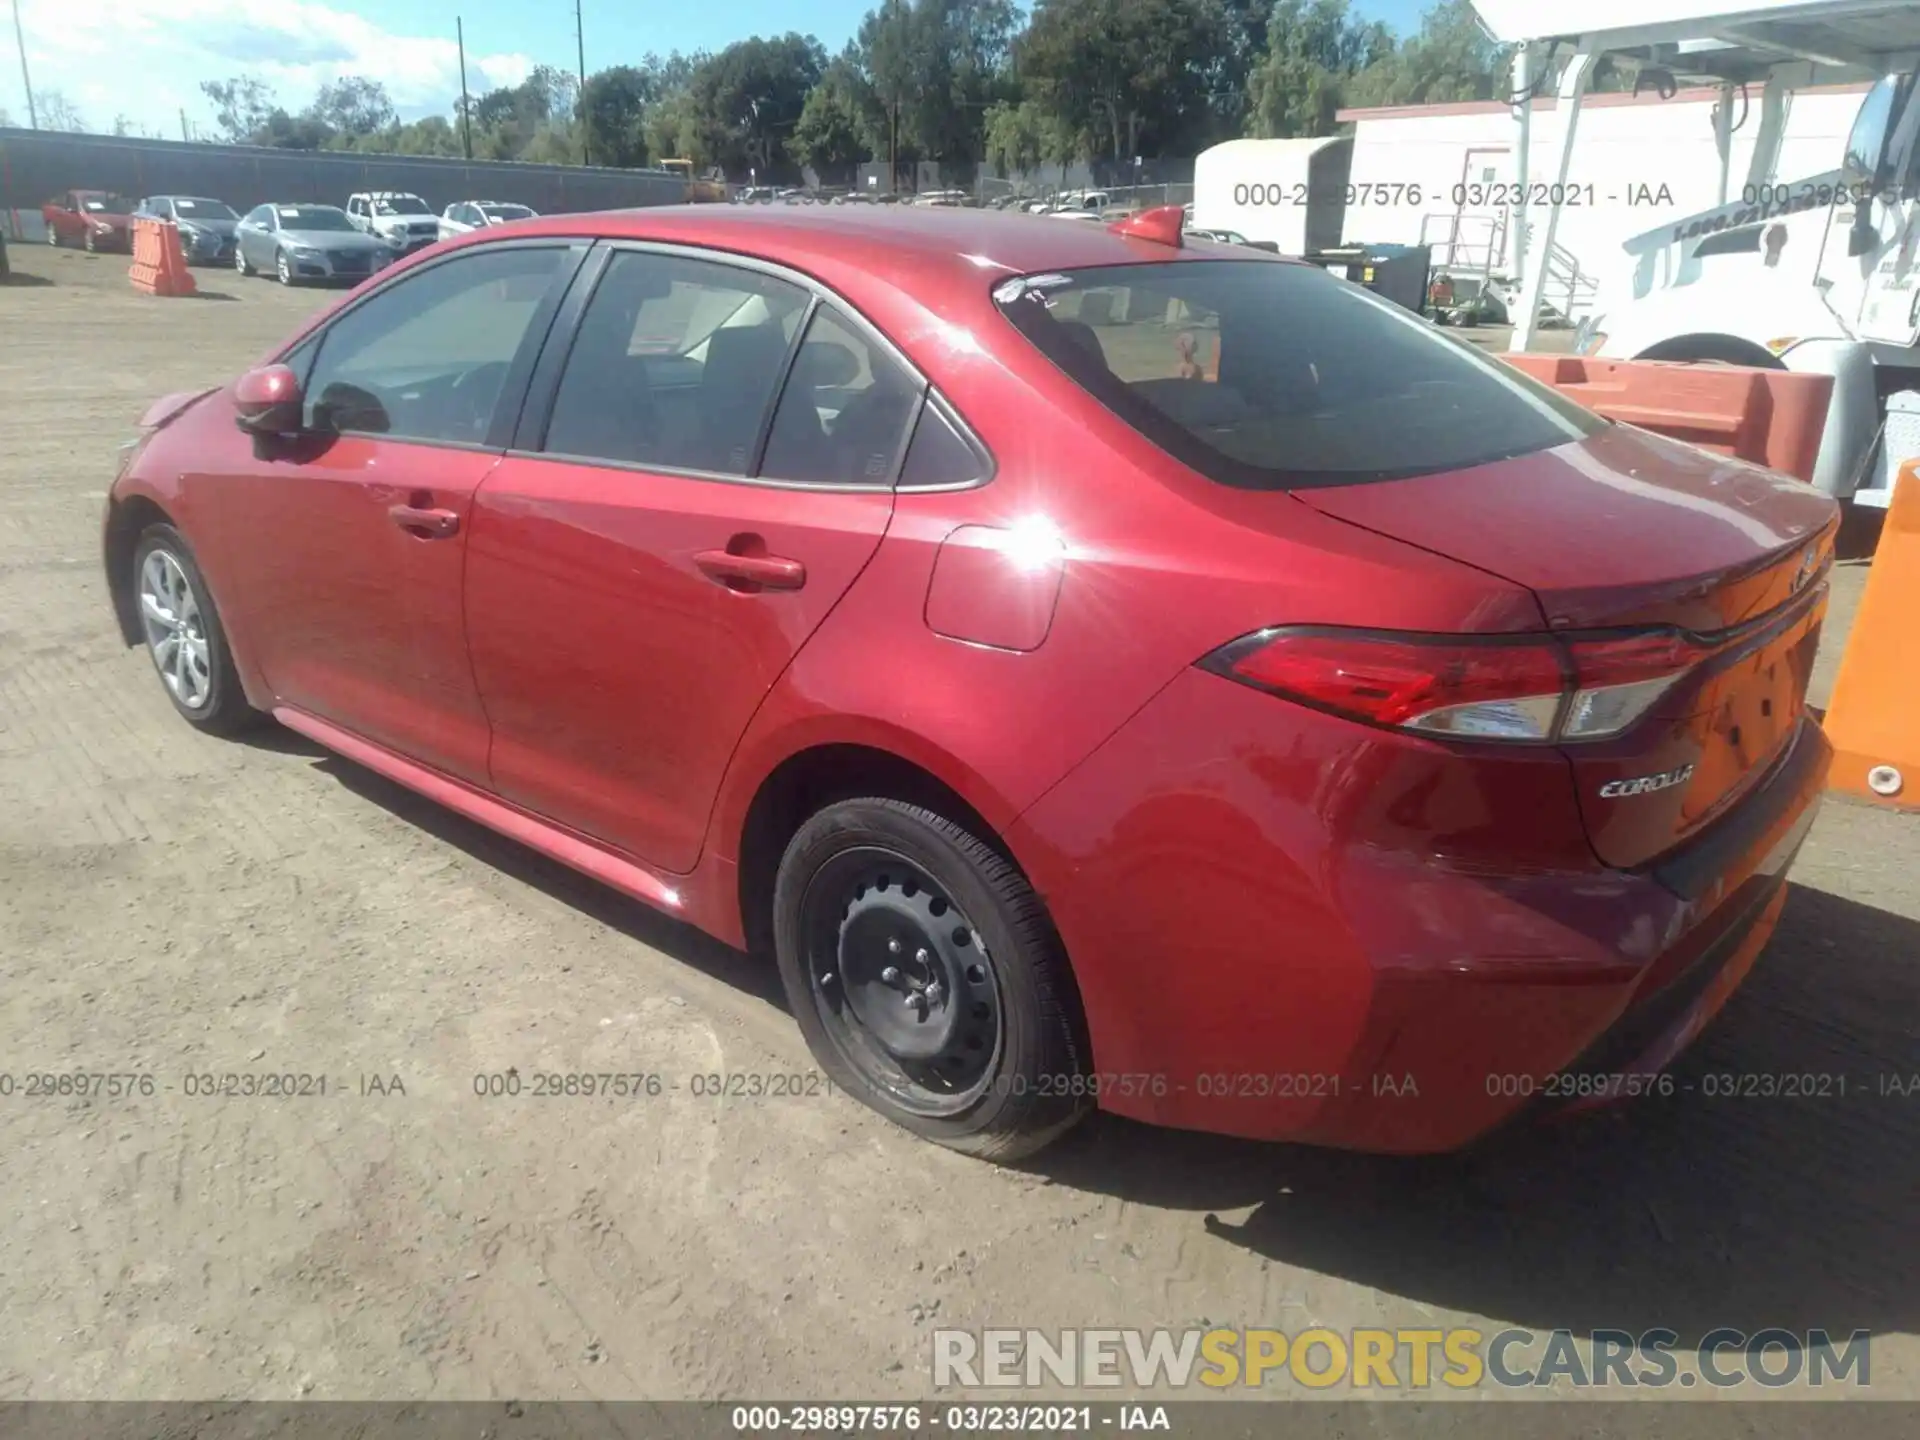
{"points": [[1393, 272]]}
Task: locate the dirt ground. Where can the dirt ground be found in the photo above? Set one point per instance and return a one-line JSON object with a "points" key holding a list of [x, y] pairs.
{"points": [[173, 905]]}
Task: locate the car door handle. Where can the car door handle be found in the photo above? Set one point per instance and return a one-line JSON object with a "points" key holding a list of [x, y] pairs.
{"points": [[424, 523], [770, 572]]}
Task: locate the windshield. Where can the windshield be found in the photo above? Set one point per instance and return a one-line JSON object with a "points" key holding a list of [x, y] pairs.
{"points": [[1266, 375], [202, 209], [401, 205], [313, 217], [508, 212], [106, 205]]}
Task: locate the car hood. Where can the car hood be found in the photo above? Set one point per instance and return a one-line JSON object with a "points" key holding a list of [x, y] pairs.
{"points": [[212, 227], [334, 239]]}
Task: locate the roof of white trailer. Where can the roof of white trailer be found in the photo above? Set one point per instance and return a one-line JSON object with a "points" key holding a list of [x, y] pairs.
{"points": [[1718, 38]]}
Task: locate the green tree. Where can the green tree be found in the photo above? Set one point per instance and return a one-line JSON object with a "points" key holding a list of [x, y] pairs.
{"points": [[836, 123], [745, 102], [1451, 58], [1126, 76], [240, 107], [1314, 50], [353, 105], [614, 108]]}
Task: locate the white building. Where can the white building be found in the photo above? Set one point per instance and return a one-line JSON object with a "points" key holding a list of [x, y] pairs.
{"points": [[1443, 175], [1639, 162]]}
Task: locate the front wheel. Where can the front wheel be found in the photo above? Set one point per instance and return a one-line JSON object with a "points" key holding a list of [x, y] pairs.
{"points": [[185, 639], [284, 268], [928, 979], [240, 260]]}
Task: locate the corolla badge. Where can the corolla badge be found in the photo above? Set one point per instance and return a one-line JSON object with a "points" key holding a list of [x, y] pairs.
{"points": [[1646, 784]]}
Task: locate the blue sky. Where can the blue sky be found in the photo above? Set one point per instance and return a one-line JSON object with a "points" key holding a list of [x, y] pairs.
{"points": [[144, 59]]}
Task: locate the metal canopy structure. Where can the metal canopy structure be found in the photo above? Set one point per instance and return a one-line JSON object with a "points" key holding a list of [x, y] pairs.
{"points": [[1783, 45]]}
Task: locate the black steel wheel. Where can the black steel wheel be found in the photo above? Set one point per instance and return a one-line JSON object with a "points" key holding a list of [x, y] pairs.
{"points": [[928, 979]]}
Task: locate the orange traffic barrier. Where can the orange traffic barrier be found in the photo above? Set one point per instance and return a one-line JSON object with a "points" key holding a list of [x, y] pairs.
{"points": [[1771, 417], [159, 267], [1874, 720]]}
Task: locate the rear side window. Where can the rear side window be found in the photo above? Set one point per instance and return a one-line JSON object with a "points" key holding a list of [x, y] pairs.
{"points": [[844, 413], [675, 364], [1265, 375]]}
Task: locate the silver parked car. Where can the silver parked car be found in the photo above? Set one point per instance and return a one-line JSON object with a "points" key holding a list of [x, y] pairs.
{"points": [[307, 242], [206, 226], [464, 215]]}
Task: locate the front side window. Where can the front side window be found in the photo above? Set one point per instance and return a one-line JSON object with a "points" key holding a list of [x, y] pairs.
{"points": [[674, 364], [1867, 143], [1268, 375], [844, 411], [426, 358]]}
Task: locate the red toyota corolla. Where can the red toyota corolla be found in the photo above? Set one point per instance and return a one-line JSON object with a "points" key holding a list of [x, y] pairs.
{"points": [[1100, 670]]}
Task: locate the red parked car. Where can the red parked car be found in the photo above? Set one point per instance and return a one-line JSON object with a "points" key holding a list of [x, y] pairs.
{"points": [[91, 219], [1099, 671]]}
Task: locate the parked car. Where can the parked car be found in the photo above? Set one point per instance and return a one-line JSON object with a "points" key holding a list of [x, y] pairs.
{"points": [[306, 242], [401, 219], [1068, 212], [6, 268], [1300, 753], [92, 219], [465, 215], [1224, 237], [206, 226]]}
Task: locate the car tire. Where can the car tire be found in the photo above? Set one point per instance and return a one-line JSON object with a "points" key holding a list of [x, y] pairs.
{"points": [[974, 1039], [196, 670], [90, 243], [53, 237], [283, 267], [240, 265]]}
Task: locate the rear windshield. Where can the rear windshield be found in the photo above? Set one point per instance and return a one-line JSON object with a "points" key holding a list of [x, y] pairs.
{"points": [[1265, 375]]}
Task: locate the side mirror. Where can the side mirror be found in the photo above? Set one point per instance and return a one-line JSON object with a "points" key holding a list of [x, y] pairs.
{"points": [[267, 401]]}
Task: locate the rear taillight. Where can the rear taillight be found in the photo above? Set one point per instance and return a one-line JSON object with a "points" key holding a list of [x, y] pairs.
{"points": [[1520, 687]]}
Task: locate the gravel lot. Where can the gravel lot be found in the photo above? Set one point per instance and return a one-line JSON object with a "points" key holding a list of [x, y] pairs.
{"points": [[174, 905]]}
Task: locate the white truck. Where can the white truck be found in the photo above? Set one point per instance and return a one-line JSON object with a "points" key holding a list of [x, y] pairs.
{"points": [[401, 219], [1811, 273]]}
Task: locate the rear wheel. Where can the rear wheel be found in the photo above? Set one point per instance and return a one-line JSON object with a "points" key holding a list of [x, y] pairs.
{"points": [[185, 639], [90, 243], [53, 237], [928, 980]]}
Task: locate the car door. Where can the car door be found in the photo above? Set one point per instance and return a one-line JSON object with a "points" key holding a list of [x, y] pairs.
{"points": [[347, 545], [664, 538]]}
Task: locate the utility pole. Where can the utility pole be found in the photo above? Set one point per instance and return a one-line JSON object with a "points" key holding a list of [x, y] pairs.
{"points": [[893, 109], [185, 133], [580, 100], [26, 80], [466, 103]]}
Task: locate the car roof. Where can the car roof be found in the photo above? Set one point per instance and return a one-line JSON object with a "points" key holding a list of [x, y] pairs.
{"points": [[910, 246]]}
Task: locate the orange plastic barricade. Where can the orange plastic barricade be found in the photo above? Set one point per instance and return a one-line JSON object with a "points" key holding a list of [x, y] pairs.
{"points": [[1874, 720], [1771, 417], [159, 267]]}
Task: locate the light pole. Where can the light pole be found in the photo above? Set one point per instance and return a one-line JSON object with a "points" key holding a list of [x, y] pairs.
{"points": [[26, 80], [466, 103], [580, 103]]}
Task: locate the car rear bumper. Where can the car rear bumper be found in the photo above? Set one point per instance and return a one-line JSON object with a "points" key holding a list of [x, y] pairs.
{"points": [[1301, 929]]}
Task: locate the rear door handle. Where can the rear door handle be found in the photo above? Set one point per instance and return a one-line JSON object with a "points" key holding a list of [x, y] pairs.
{"points": [[768, 572], [425, 523]]}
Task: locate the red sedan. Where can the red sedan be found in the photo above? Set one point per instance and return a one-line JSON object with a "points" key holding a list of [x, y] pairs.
{"points": [[1099, 671], [91, 219]]}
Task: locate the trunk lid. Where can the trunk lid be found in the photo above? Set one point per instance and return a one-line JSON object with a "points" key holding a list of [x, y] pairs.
{"points": [[1627, 530]]}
